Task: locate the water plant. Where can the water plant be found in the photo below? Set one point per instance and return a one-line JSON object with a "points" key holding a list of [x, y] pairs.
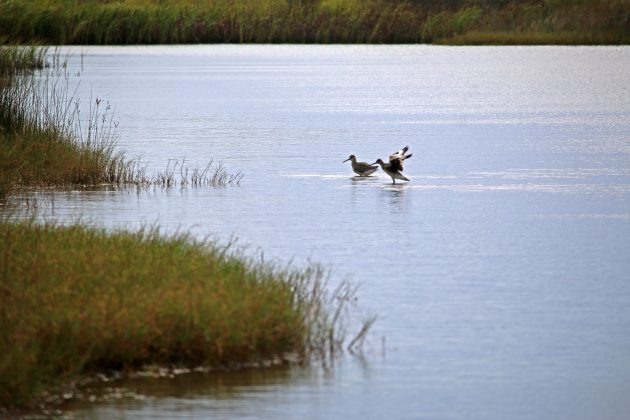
{"points": [[77, 299], [178, 173]]}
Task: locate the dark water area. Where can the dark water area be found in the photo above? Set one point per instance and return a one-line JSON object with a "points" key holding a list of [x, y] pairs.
{"points": [[500, 273]]}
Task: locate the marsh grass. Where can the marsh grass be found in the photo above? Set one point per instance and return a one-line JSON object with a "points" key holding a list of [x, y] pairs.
{"points": [[178, 173], [314, 21], [45, 140], [23, 59], [77, 300]]}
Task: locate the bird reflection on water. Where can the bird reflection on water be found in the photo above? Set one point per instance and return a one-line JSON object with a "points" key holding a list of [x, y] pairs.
{"points": [[396, 196]]}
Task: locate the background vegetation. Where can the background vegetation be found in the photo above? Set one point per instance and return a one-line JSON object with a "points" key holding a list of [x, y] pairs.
{"points": [[316, 21]]}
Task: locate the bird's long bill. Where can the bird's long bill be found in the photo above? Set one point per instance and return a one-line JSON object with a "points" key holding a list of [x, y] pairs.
{"points": [[346, 160], [374, 163]]}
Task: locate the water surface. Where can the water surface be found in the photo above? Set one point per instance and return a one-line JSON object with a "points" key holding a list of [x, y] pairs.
{"points": [[500, 273]]}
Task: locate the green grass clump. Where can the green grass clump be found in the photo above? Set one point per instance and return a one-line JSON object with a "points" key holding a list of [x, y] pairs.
{"points": [[312, 21], [77, 300]]}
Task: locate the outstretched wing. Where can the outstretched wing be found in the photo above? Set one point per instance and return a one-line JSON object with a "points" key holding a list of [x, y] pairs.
{"points": [[396, 163], [399, 154], [396, 160]]}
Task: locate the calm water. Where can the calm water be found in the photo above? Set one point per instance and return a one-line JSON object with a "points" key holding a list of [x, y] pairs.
{"points": [[500, 273]]}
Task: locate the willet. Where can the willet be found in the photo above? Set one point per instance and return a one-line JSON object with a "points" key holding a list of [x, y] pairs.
{"points": [[395, 166], [361, 168]]}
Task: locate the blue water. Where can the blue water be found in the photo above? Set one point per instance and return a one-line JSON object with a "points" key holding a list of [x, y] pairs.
{"points": [[500, 273]]}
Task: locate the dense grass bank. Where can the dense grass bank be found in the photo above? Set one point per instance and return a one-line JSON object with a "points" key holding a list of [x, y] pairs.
{"points": [[316, 21], [77, 300]]}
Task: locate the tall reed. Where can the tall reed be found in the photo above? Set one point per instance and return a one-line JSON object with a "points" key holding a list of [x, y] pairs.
{"points": [[77, 300]]}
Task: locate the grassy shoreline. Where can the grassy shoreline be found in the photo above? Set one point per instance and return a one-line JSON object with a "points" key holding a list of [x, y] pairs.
{"points": [[78, 300], [58, 22]]}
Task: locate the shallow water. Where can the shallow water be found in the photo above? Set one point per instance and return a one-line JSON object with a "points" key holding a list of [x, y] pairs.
{"points": [[500, 273]]}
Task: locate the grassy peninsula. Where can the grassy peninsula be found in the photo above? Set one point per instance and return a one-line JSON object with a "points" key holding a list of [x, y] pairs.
{"points": [[77, 300], [316, 21]]}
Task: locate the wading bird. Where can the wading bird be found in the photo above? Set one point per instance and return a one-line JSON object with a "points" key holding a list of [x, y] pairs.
{"points": [[361, 168], [395, 166]]}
